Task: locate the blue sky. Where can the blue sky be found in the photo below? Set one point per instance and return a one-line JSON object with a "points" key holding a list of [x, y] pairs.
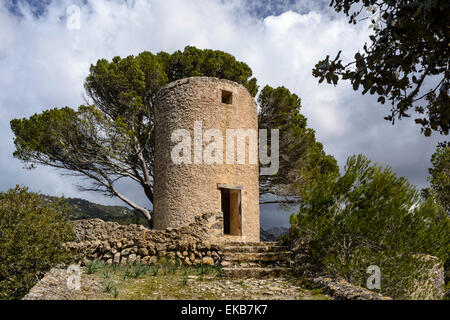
{"points": [[43, 65], [37, 7], [260, 9]]}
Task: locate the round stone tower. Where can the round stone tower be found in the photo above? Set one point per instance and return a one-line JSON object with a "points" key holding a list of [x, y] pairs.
{"points": [[206, 158]]}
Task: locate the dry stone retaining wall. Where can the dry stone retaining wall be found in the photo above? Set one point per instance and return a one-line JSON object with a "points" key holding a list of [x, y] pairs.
{"points": [[110, 242]]}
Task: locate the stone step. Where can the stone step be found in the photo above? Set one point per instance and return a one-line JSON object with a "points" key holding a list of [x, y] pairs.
{"points": [[256, 264], [255, 249], [255, 272], [255, 256]]}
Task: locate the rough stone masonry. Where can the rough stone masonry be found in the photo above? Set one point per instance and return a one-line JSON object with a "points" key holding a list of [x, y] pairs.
{"points": [[110, 242], [184, 191]]}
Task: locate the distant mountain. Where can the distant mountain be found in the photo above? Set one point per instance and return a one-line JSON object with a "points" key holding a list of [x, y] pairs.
{"points": [[266, 236], [278, 231], [272, 234], [83, 209]]}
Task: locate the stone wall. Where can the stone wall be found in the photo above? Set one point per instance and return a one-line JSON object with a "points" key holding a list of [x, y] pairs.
{"points": [[341, 289], [110, 242]]}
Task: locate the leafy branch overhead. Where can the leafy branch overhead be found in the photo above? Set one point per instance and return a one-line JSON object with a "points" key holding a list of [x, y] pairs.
{"points": [[407, 61]]}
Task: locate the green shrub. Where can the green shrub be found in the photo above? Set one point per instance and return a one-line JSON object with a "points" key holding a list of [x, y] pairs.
{"points": [[109, 286], [368, 216], [284, 240], [155, 270], [440, 174], [140, 270], [115, 292], [93, 266], [32, 233]]}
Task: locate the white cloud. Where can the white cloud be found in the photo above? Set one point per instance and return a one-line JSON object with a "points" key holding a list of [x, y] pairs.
{"points": [[44, 64]]}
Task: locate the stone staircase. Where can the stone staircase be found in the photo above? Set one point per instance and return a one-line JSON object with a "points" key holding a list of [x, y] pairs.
{"points": [[255, 260]]}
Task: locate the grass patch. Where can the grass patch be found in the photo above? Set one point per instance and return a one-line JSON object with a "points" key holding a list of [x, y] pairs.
{"points": [[162, 267], [165, 279], [172, 280], [115, 292], [317, 291], [108, 286], [106, 274], [93, 266]]}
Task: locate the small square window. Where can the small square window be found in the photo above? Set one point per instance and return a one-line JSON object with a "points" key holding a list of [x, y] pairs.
{"points": [[227, 97]]}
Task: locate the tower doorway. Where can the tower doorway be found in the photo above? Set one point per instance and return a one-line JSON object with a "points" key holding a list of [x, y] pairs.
{"points": [[231, 208]]}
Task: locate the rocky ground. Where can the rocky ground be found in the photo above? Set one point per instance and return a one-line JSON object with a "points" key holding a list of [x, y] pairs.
{"points": [[101, 281]]}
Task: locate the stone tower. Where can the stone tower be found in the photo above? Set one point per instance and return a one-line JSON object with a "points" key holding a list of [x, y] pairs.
{"points": [[198, 185]]}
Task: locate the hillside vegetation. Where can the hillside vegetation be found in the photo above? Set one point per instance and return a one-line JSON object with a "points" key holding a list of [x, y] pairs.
{"points": [[32, 233], [84, 209]]}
